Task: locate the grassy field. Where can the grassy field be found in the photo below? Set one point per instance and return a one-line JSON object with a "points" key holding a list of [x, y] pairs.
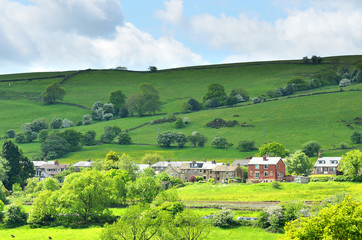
{"points": [[314, 191], [289, 121]]}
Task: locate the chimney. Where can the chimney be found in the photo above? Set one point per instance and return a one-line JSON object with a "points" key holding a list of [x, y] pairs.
{"points": [[227, 164], [204, 160], [193, 161], [264, 157], [149, 162], [168, 160], [238, 164], [89, 160], [213, 161], [319, 154], [56, 162]]}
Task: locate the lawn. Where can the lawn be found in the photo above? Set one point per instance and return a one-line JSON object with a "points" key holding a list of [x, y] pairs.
{"points": [[313, 191]]}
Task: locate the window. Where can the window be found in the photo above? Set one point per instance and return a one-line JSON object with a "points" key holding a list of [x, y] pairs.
{"points": [[266, 166], [176, 174], [186, 178], [271, 173], [204, 171], [172, 174], [161, 168], [251, 173], [265, 174], [331, 169], [256, 174], [200, 170], [280, 174], [256, 166]]}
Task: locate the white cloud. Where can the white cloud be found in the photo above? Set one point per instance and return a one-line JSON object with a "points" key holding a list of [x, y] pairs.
{"points": [[78, 34], [173, 12]]}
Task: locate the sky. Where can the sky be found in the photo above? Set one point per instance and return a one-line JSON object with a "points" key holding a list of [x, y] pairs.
{"points": [[56, 35]]}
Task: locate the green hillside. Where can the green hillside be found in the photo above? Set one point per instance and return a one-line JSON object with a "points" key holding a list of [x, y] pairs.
{"points": [[290, 120]]}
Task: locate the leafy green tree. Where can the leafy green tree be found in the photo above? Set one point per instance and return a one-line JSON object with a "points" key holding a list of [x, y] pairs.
{"points": [[110, 132], [151, 98], [144, 189], [87, 119], [44, 209], [4, 169], [135, 103], [241, 92], [299, 83], [136, 222], [215, 90], [86, 194], [88, 138], [163, 176], [197, 139], [54, 146], [10, 133], [231, 101], [351, 164], [43, 134], [341, 221], [180, 139], [221, 142], [194, 105], [39, 124], [73, 139], [273, 149], [113, 161], [165, 139], [246, 146], [15, 216], [356, 137], [223, 218], [148, 172], [118, 179], [53, 93], [310, 148], [123, 112], [186, 225], [56, 123], [123, 138], [117, 98], [179, 123], [20, 138], [19, 166], [299, 163]]}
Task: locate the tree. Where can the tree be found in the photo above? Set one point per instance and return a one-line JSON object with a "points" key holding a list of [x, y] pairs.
{"points": [[306, 60], [151, 98], [144, 189], [351, 164], [110, 133], [54, 146], [165, 139], [231, 101], [299, 83], [344, 82], [152, 68], [123, 138], [194, 105], [53, 93], [179, 123], [341, 221], [356, 137], [151, 158], [117, 98], [15, 216], [43, 134], [136, 222], [19, 167], [87, 119], [148, 172], [135, 103], [123, 112], [246, 146], [10, 133], [223, 218], [221, 142], [4, 169], [241, 92], [310, 148], [44, 209], [256, 100], [215, 90], [273, 149], [86, 194], [67, 123], [197, 139], [56, 123], [73, 139], [88, 138], [299, 163]]}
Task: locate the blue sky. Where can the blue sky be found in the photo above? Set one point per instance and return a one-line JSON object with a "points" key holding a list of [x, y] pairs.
{"points": [[43, 35]]}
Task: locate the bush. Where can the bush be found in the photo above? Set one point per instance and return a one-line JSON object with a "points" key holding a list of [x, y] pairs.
{"points": [[54, 146], [67, 123], [256, 100], [356, 137], [30, 136], [98, 114], [87, 119], [194, 105], [123, 138], [220, 142], [211, 103], [10, 133], [56, 123], [15, 216], [43, 134], [40, 124], [180, 139], [123, 112], [197, 139], [211, 180], [224, 219], [179, 123], [343, 145], [186, 120], [216, 123], [165, 139], [110, 133], [20, 138], [108, 108], [192, 178], [108, 116], [199, 179], [310, 148], [276, 185], [246, 146], [89, 138], [344, 82]]}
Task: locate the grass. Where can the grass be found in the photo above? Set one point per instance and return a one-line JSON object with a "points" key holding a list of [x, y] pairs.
{"points": [[245, 233], [290, 122], [313, 191]]}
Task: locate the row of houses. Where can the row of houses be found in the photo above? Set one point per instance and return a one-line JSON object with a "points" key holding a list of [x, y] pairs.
{"points": [[260, 169]]}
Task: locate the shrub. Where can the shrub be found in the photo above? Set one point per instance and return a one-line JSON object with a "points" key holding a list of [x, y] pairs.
{"points": [[179, 123], [310, 148], [223, 219], [89, 138], [98, 114], [199, 179], [216, 123], [10, 133], [220, 142], [43, 134], [67, 123], [239, 92], [108, 108], [108, 116], [177, 182], [231, 101], [299, 83], [56, 123], [256, 100], [20, 138], [54, 146], [246, 146], [197, 139], [15, 216], [180, 139], [123, 138], [192, 178], [276, 185], [211, 103], [30, 136], [165, 139], [356, 137], [211, 180], [123, 112], [186, 120], [110, 133], [87, 119], [344, 82], [343, 145], [40, 124], [231, 123], [194, 105]]}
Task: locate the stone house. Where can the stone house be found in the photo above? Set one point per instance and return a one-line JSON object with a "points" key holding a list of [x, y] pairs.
{"points": [[266, 169], [222, 173], [327, 165], [203, 169], [49, 169], [162, 166]]}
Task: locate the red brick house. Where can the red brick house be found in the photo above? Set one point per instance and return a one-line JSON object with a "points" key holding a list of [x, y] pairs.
{"points": [[266, 169]]}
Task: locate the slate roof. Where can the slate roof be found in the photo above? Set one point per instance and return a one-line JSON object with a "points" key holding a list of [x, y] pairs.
{"points": [[242, 162], [327, 162], [225, 168], [39, 163], [165, 164], [269, 160], [200, 165], [82, 164]]}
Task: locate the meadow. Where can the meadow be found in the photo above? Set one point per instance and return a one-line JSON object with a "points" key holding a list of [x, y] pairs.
{"points": [[290, 121]]}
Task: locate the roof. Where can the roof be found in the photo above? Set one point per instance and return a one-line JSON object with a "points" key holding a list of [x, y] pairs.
{"points": [[200, 165], [39, 163], [269, 160], [225, 168], [47, 166], [82, 164], [242, 162], [142, 166], [166, 163], [327, 162]]}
